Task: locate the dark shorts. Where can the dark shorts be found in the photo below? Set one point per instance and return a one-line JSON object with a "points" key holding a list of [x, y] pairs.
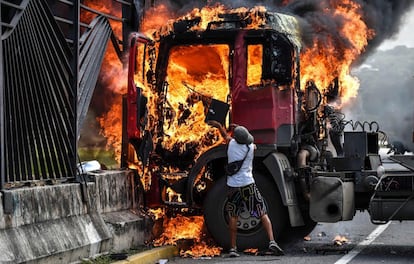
{"points": [[244, 198]]}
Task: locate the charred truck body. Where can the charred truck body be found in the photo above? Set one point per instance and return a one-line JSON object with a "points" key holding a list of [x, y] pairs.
{"points": [[236, 71]]}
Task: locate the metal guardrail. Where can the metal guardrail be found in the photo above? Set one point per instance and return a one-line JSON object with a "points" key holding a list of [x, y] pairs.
{"points": [[50, 62], [91, 54], [39, 132]]}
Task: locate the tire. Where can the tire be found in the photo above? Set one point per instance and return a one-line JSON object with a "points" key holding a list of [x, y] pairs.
{"points": [[251, 233]]}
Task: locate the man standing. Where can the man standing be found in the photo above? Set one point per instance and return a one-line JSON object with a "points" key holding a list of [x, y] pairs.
{"points": [[242, 191]]}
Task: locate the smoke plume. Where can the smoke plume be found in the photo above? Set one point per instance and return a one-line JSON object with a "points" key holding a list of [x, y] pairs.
{"points": [[382, 16]]}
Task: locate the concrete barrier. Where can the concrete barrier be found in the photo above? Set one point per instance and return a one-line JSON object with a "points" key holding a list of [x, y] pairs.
{"points": [[65, 223]]}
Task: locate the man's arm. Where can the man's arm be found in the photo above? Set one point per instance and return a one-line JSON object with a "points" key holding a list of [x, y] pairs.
{"points": [[221, 129]]}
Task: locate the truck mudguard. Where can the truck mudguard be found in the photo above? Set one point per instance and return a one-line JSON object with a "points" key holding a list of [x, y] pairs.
{"points": [[211, 154], [279, 167]]}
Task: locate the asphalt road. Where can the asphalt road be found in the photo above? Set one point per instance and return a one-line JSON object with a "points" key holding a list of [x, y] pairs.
{"points": [[367, 243]]}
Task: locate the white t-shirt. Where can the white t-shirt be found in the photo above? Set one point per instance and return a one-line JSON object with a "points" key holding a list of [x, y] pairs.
{"points": [[236, 152]]}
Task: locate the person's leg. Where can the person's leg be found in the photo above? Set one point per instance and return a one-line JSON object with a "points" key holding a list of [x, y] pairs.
{"points": [[259, 209], [273, 246], [232, 209], [233, 231], [267, 226], [233, 236]]}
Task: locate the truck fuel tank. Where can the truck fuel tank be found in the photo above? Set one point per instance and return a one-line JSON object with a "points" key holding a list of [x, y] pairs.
{"points": [[331, 199]]}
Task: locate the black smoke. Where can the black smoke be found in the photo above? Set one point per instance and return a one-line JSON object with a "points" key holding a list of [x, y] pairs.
{"points": [[382, 16], [385, 17]]}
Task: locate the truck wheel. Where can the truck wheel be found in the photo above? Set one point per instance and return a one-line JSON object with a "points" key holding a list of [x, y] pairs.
{"points": [[250, 233]]}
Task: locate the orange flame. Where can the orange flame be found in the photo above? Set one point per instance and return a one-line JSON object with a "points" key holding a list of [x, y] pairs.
{"points": [[157, 213], [319, 62], [112, 75], [154, 18], [208, 14], [209, 79], [108, 8], [251, 251], [201, 249], [181, 228], [340, 240], [322, 62]]}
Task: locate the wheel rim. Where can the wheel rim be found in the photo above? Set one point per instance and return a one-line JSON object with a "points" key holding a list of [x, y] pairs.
{"points": [[245, 223]]}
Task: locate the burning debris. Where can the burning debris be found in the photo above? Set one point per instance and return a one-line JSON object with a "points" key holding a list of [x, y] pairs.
{"points": [[340, 240], [340, 244], [188, 234], [251, 251]]}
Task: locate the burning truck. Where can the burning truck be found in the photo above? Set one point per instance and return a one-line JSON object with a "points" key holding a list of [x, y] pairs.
{"points": [[243, 67]]}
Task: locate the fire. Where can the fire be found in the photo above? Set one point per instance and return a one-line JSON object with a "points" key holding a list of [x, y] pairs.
{"points": [[174, 196], [211, 13], [252, 251], [329, 58], [207, 80], [255, 64], [113, 76], [154, 18], [326, 59], [191, 84], [157, 213], [201, 250], [183, 229], [340, 240], [322, 62], [108, 8], [159, 20]]}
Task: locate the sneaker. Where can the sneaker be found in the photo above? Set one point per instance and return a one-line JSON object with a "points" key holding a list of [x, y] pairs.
{"points": [[233, 253], [274, 247]]}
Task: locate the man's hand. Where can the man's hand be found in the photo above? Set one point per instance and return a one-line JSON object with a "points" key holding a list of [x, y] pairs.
{"points": [[220, 127], [214, 123]]}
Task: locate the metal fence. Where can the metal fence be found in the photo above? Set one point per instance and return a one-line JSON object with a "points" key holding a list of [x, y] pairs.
{"points": [[50, 62]]}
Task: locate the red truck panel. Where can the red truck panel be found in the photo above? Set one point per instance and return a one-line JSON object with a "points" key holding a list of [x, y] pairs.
{"points": [[262, 111]]}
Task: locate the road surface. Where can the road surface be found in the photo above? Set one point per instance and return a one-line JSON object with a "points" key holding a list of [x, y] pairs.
{"points": [[367, 243]]}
